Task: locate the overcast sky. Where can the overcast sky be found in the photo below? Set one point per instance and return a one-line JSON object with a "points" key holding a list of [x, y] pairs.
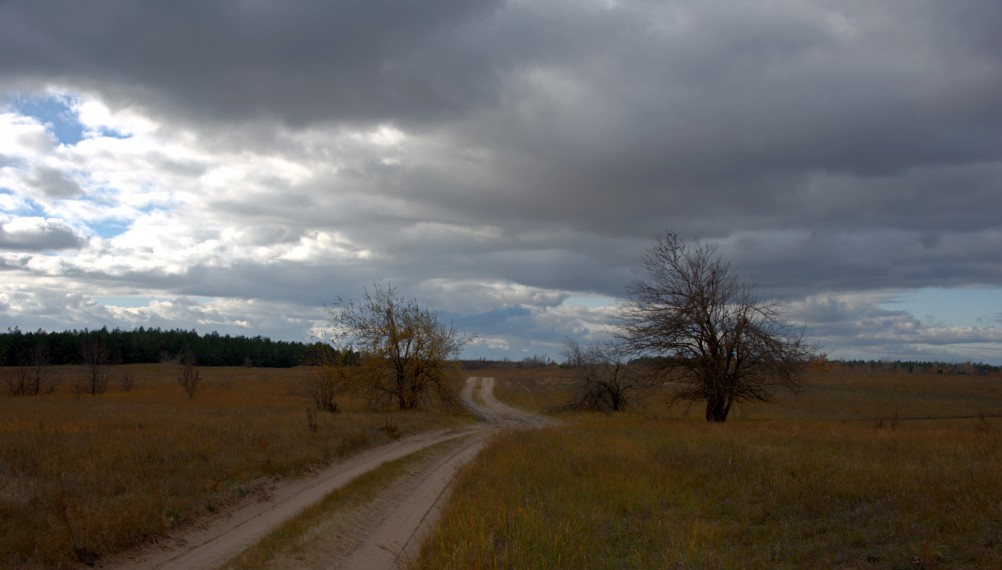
{"points": [[236, 165]]}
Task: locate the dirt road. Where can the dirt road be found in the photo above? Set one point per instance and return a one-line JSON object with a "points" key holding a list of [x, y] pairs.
{"points": [[380, 538]]}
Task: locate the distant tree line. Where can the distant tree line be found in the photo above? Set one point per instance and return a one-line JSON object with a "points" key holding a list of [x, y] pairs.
{"points": [[534, 361], [907, 366], [817, 364], [150, 345]]}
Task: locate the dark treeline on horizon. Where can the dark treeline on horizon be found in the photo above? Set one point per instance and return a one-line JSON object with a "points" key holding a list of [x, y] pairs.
{"points": [[151, 345], [915, 366]]}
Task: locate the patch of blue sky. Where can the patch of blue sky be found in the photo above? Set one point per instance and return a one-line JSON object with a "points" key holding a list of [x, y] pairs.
{"points": [[55, 112], [109, 228], [6, 192], [969, 306], [109, 133], [23, 206]]}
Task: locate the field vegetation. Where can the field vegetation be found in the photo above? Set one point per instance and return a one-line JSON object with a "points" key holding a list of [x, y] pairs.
{"points": [[84, 476], [853, 473], [866, 468]]}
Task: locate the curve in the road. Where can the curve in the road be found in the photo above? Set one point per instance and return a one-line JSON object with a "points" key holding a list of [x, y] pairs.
{"points": [[402, 531]]}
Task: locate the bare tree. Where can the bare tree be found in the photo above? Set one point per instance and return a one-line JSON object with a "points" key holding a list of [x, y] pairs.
{"points": [[700, 326], [96, 358], [405, 353], [188, 375], [38, 360], [605, 380], [29, 374], [19, 381]]}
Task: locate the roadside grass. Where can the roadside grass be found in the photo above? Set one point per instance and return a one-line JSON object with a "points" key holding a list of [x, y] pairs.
{"points": [[795, 485], [317, 522], [83, 478]]}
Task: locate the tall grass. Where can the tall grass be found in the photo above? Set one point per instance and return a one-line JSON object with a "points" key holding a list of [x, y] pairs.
{"points": [[82, 478], [787, 486]]}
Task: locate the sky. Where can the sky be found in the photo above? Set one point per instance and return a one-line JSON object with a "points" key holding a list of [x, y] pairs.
{"points": [[236, 166]]}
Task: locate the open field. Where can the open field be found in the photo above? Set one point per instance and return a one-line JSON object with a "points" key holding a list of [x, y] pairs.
{"points": [[849, 474], [839, 477], [82, 478]]}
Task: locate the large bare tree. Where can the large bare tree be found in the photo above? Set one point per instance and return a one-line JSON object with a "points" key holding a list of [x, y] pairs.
{"points": [[406, 355], [702, 328]]}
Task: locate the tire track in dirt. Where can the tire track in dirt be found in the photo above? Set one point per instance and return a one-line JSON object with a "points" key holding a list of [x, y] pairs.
{"points": [[396, 536]]}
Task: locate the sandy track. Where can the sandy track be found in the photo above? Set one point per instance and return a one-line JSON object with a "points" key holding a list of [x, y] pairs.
{"points": [[395, 535]]}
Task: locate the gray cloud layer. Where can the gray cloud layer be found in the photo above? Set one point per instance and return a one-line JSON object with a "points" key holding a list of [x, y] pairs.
{"points": [[830, 147]]}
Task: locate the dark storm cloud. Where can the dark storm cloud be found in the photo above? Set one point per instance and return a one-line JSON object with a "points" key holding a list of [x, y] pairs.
{"points": [[299, 62], [725, 122]]}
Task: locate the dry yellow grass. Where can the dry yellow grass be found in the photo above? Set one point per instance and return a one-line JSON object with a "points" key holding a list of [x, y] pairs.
{"points": [[82, 478], [793, 485]]}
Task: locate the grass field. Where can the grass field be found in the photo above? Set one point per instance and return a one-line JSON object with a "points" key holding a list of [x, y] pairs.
{"points": [[851, 473], [840, 477], [82, 478]]}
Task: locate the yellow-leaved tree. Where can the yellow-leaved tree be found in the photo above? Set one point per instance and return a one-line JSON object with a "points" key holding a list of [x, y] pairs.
{"points": [[406, 355]]}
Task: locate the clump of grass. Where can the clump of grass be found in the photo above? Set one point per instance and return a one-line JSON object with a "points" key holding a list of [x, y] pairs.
{"points": [[635, 493], [81, 479]]}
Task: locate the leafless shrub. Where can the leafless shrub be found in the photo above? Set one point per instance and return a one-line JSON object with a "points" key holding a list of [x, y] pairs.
{"points": [[188, 375], [29, 375], [96, 358], [127, 381], [605, 381], [19, 381], [38, 360], [79, 388]]}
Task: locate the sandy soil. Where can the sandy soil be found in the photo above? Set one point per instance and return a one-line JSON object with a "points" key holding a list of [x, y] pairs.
{"points": [[381, 534]]}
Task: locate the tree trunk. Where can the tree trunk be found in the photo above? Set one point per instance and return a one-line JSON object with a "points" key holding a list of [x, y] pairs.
{"points": [[717, 407], [409, 395]]}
